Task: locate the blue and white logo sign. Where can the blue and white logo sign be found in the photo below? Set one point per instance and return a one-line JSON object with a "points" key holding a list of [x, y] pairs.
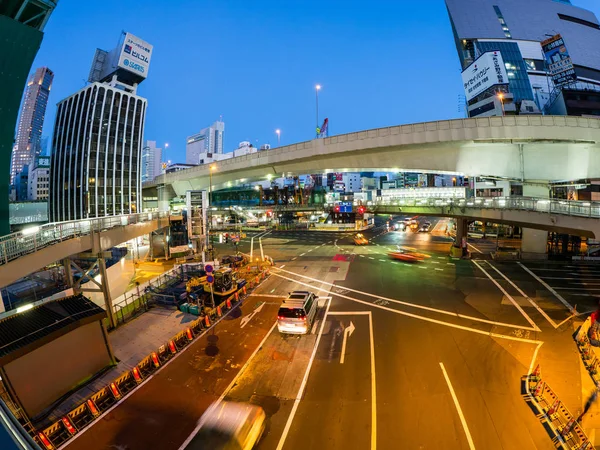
{"points": [[135, 55]]}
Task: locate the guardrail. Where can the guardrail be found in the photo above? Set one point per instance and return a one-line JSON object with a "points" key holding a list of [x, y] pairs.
{"points": [[30, 240], [533, 204]]}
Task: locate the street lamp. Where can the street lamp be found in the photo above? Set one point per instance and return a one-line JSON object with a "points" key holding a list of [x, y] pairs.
{"points": [[317, 89], [278, 133], [501, 98]]}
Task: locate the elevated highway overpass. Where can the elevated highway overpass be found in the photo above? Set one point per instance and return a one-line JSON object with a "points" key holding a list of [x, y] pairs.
{"points": [[524, 148]]}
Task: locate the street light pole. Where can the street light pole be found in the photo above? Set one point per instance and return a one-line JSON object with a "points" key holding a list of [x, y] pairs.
{"points": [[278, 132], [210, 200], [317, 89], [501, 97]]}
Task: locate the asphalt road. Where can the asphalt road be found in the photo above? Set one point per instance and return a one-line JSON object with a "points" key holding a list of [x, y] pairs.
{"points": [[435, 359]]}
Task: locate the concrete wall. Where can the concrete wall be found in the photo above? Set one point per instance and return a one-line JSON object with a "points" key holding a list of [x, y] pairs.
{"points": [[41, 377]]}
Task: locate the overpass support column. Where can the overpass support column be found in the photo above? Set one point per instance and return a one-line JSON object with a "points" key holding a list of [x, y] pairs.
{"points": [[534, 243], [69, 275], [163, 198], [459, 248], [110, 313]]}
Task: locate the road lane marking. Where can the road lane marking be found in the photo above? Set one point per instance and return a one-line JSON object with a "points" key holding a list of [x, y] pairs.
{"points": [[347, 333], [530, 300], [547, 286], [512, 300], [412, 305], [416, 316], [268, 295], [294, 258], [373, 377], [371, 258], [476, 249], [282, 266], [233, 382], [441, 270], [288, 424], [302, 254], [458, 408]]}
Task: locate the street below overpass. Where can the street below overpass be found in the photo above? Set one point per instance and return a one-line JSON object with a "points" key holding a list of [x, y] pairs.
{"points": [[416, 356]]}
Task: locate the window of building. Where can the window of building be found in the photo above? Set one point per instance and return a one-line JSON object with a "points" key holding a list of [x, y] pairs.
{"points": [[579, 21], [503, 23]]}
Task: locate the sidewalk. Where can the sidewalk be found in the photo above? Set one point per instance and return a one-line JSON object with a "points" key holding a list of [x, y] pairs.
{"points": [[131, 343]]}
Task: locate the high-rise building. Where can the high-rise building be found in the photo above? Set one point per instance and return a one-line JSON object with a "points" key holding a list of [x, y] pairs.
{"points": [[97, 142], [22, 24], [151, 161], [209, 141], [516, 29], [29, 129], [39, 179]]}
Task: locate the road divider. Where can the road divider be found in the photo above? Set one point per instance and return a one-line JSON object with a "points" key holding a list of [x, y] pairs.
{"points": [[81, 418]]}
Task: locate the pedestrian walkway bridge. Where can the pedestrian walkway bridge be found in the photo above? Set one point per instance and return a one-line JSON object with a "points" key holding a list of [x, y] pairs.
{"points": [[36, 247], [561, 216]]}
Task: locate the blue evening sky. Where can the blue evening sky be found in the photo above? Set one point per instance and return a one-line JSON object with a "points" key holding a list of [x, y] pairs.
{"points": [[381, 63]]}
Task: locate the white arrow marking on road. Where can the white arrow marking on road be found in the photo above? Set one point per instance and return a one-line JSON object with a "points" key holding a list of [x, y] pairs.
{"points": [[347, 333], [249, 317]]}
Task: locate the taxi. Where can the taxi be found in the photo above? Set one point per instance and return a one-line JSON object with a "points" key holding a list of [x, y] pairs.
{"points": [[407, 254], [360, 239]]}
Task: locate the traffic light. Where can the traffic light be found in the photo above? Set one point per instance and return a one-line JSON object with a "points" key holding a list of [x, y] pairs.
{"points": [[361, 209], [336, 208]]}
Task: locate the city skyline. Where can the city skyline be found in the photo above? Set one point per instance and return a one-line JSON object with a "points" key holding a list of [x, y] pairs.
{"points": [[293, 49]]}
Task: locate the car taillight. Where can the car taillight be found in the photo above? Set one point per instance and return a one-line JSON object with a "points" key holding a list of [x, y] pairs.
{"points": [[280, 317], [303, 319]]}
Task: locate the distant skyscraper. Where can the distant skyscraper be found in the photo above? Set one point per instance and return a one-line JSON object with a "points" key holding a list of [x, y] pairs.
{"points": [[151, 161], [97, 143], [31, 122], [22, 24], [38, 180], [209, 140]]}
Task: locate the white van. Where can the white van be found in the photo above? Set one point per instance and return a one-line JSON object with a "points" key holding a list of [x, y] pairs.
{"points": [[228, 426], [297, 313]]}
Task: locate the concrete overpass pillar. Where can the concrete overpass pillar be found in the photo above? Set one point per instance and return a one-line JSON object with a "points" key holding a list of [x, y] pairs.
{"points": [[163, 197], [106, 292], [69, 276], [459, 248], [534, 243]]}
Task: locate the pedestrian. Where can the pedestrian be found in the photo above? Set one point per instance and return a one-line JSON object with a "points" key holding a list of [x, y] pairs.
{"points": [[590, 401]]}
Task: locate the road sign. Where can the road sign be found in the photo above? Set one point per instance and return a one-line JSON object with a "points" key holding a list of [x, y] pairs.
{"points": [[210, 279], [208, 268]]}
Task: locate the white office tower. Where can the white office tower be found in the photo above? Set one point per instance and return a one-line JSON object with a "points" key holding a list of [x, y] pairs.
{"points": [[209, 141], [98, 135]]}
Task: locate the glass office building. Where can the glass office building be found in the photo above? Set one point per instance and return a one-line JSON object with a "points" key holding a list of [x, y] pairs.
{"points": [[22, 24], [97, 143], [28, 144], [516, 28]]}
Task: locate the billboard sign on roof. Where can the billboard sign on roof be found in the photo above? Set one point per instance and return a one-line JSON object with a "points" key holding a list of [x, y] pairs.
{"points": [[486, 71], [558, 61], [135, 55]]}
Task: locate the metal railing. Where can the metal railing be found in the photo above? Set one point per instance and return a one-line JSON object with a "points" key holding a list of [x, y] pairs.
{"points": [[30, 240], [532, 204]]}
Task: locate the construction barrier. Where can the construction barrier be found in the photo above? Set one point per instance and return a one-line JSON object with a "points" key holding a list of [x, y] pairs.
{"points": [[567, 431], [68, 426]]}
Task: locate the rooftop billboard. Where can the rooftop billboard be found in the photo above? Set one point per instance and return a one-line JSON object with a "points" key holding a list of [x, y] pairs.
{"points": [[135, 55]]}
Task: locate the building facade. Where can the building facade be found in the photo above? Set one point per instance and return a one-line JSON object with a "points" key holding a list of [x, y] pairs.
{"points": [[516, 29], [38, 181], [209, 141], [151, 161], [28, 143], [21, 33], [96, 161]]}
